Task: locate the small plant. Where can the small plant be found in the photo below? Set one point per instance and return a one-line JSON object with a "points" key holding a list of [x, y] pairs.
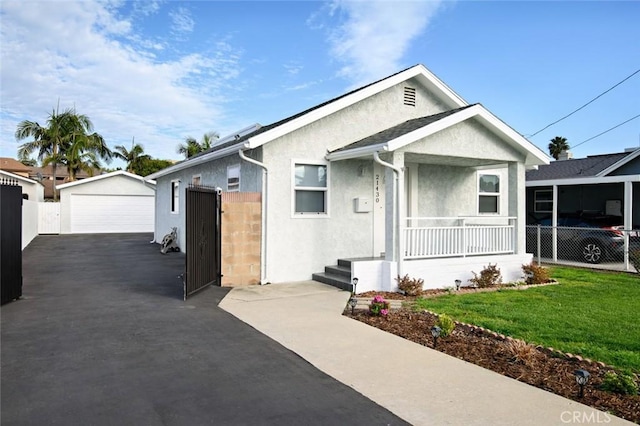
{"points": [[446, 325], [379, 306], [521, 351], [634, 258], [535, 274], [490, 276], [449, 289], [410, 286], [622, 382]]}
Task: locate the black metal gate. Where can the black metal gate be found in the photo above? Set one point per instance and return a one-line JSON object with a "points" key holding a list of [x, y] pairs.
{"points": [[203, 258], [10, 241]]}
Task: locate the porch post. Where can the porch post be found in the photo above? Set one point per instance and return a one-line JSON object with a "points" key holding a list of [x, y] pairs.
{"points": [[628, 220], [517, 204]]}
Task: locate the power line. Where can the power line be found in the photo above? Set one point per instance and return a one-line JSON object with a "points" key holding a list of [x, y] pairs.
{"points": [[591, 101], [606, 131]]}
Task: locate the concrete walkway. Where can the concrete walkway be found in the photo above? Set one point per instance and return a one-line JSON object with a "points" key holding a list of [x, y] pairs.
{"points": [[418, 384]]}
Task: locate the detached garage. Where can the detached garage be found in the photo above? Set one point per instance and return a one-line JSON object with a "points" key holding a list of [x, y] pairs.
{"points": [[110, 203]]}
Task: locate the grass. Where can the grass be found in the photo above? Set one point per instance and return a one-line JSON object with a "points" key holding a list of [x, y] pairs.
{"points": [[593, 314]]}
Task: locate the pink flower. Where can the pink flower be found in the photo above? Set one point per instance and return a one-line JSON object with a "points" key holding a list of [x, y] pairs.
{"points": [[384, 312], [378, 299]]}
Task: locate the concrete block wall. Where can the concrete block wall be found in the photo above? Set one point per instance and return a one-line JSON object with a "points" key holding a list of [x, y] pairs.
{"points": [[241, 237]]}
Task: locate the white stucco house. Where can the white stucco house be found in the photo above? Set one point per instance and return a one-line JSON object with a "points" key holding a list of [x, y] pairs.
{"points": [[109, 203], [401, 176]]}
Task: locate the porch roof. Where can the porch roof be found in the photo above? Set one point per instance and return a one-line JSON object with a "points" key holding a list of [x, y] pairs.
{"points": [[413, 130], [590, 166]]}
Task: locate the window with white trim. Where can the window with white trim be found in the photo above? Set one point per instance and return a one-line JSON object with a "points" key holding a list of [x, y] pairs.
{"points": [[233, 178], [488, 193], [543, 201], [310, 188], [175, 196]]}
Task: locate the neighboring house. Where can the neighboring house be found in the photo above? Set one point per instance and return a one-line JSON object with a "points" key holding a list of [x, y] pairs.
{"points": [[603, 184], [14, 166], [45, 175], [401, 176], [32, 196], [110, 203], [31, 190]]}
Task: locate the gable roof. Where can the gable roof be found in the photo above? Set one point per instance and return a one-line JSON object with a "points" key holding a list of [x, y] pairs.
{"points": [[591, 166], [275, 130], [413, 130], [104, 176], [12, 165]]}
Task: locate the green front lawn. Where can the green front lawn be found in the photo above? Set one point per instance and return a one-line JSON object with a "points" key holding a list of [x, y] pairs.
{"points": [[593, 314]]}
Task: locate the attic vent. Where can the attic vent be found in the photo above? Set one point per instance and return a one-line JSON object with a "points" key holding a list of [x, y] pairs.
{"points": [[410, 96]]}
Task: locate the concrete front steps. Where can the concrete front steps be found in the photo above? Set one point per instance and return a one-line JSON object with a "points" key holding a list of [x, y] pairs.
{"points": [[336, 275]]}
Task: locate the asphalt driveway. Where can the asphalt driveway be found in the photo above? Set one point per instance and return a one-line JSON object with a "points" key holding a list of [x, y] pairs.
{"points": [[102, 337]]}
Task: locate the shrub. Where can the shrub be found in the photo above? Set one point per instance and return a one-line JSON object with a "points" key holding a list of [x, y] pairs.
{"points": [[379, 306], [410, 286], [540, 274], [520, 351], [623, 382], [446, 325], [490, 276], [634, 258]]}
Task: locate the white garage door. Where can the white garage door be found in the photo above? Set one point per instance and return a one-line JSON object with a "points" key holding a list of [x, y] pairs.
{"points": [[111, 213]]}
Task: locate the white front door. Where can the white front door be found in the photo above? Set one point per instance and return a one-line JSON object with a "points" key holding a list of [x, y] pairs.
{"points": [[378, 210]]}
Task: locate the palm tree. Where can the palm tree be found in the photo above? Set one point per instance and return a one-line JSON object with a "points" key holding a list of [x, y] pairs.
{"points": [[51, 142], [83, 152], [557, 145], [134, 157], [191, 147]]}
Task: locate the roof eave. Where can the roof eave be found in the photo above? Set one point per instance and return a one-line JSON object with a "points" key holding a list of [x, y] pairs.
{"points": [[196, 161], [583, 181], [620, 163]]}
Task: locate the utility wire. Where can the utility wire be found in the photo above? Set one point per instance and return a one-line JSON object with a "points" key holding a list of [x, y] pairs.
{"points": [[606, 131], [591, 101]]}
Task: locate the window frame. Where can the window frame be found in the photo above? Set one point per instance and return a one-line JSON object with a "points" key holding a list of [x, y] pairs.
{"points": [[233, 187], [174, 195], [294, 188], [481, 193], [536, 202]]}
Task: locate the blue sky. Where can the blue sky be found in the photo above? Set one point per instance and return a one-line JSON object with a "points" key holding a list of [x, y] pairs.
{"points": [[163, 70]]}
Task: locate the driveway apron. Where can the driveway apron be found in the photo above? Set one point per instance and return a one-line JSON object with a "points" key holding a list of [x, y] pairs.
{"points": [[103, 337]]}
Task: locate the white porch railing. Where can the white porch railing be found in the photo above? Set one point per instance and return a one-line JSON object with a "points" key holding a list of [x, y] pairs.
{"points": [[458, 236]]}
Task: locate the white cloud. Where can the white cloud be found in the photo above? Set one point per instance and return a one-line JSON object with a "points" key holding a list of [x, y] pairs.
{"points": [[373, 36], [181, 21], [86, 56]]}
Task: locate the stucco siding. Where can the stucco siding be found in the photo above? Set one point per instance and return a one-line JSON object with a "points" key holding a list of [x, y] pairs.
{"points": [[212, 174], [446, 191], [468, 139]]}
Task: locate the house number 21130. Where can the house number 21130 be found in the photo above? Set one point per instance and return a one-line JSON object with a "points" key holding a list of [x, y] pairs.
{"points": [[377, 188]]}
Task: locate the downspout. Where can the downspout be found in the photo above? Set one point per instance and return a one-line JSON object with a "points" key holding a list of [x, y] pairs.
{"points": [[263, 237], [399, 197]]}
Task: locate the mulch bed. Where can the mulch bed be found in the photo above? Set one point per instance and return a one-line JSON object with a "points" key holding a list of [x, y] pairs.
{"points": [[544, 368]]}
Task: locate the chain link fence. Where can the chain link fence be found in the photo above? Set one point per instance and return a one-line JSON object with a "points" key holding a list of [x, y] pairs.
{"points": [[612, 248]]}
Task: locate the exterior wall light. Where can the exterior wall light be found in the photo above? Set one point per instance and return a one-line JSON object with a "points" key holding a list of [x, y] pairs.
{"points": [[582, 377]]}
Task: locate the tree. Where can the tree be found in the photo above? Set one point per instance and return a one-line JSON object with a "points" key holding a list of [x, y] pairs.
{"points": [[152, 165], [64, 140], [557, 145], [135, 157], [191, 147]]}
